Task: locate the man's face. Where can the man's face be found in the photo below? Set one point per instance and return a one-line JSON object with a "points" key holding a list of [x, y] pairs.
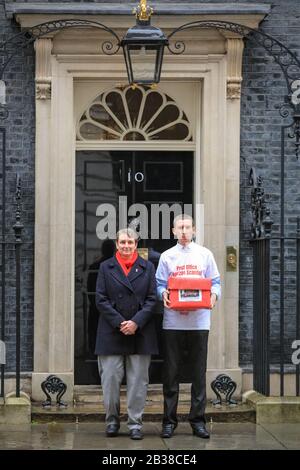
{"points": [[126, 245], [184, 231]]}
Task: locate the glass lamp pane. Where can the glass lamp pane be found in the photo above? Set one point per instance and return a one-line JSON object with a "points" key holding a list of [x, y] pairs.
{"points": [[143, 62]]}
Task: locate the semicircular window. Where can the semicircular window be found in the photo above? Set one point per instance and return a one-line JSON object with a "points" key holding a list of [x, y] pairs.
{"points": [[139, 113]]}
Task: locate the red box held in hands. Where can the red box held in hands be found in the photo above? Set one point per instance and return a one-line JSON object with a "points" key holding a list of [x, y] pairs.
{"points": [[187, 293]]}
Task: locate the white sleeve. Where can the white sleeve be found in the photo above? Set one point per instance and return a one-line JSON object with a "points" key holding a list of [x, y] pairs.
{"points": [[162, 276], [213, 273]]}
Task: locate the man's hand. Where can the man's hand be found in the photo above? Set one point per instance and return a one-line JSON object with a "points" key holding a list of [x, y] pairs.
{"points": [[128, 327], [166, 299], [213, 300]]}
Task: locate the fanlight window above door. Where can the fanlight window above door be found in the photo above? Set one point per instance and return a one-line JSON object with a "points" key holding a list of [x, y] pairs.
{"points": [[139, 113]]}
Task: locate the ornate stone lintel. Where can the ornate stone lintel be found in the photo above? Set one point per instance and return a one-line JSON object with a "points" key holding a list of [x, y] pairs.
{"points": [[43, 48], [235, 48]]}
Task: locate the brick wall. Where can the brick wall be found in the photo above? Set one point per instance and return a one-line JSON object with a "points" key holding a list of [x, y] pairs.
{"points": [[20, 131]]}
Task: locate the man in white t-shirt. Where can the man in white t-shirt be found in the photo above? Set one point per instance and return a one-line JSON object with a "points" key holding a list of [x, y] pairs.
{"points": [[185, 329]]}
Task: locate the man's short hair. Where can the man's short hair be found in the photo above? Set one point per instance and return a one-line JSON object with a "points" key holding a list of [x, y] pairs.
{"points": [[183, 217], [129, 232]]}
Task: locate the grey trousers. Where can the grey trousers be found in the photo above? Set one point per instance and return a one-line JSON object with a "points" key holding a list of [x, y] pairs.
{"points": [[111, 370]]}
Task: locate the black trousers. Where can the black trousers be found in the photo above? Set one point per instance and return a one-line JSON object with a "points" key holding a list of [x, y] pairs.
{"points": [[194, 342]]}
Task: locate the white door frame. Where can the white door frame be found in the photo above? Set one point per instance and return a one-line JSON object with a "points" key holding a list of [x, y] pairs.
{"points": [[216, 186]]}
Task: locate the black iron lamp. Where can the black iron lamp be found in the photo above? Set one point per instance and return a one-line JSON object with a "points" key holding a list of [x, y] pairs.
{"points": [[143, 46]]}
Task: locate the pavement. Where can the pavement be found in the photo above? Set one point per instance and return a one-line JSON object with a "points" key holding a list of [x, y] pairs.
{"points": [[91, 436]]}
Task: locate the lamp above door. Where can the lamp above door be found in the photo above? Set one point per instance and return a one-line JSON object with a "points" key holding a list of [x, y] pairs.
{"points": [[143, 47]]}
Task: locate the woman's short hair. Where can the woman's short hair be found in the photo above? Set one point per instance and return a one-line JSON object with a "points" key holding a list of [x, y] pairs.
{"points": [[129, 232]]}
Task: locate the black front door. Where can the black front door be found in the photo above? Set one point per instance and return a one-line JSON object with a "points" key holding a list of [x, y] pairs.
{"points": [[103, 179]]}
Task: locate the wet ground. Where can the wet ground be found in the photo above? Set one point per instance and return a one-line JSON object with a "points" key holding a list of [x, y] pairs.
{"points": [[91, 436]]}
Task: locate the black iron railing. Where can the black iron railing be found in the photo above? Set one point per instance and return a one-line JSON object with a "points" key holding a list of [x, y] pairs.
{"points": [[3, 259], [261, 316], [269, 253], [298, 305], [16, 244]]}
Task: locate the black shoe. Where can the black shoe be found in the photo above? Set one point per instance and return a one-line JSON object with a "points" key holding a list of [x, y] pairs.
{"points": [[168, 430], [200, 430], [136, 434], [112, 430]]}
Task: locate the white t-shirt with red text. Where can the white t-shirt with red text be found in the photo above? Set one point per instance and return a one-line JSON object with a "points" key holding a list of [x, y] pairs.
{"points": [[191, 260]]}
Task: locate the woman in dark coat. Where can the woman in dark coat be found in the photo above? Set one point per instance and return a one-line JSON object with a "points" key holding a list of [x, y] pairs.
{"points": [[125, 298]]}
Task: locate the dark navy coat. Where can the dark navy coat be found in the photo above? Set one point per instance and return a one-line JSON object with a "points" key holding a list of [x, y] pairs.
{"points": [[119, 298]]}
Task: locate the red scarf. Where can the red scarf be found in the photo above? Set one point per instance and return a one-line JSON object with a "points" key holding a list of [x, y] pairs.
{"points": [[126, 264]]}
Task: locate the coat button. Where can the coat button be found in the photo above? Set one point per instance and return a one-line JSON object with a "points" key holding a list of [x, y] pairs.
{"points": [[120, 296]]}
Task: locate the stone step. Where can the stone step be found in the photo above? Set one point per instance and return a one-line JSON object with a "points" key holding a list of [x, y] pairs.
{"points": [[153, 412], [92, 394], [88, 406]]}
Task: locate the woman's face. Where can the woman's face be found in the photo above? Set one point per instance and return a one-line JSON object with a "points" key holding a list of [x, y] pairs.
{"points": [[126, 246]]}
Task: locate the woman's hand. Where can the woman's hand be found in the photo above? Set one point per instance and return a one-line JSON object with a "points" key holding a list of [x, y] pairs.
{"points": [[128, 327]]}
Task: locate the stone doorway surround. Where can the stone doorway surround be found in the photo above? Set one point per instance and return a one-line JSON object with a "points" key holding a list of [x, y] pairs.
{"points": [[213, 58]]}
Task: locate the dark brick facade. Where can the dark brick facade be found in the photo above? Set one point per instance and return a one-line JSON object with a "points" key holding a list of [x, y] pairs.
{"points": [[262, 95], [20, 131]]}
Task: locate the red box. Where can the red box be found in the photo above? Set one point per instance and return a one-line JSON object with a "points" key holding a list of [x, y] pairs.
{"points": [[187, 293]]}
